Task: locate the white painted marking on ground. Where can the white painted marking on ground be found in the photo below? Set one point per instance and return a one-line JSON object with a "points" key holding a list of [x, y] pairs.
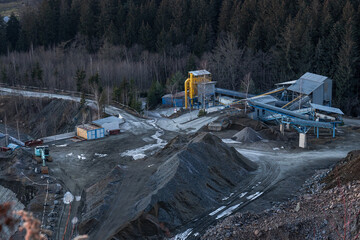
{"points": [[254, 196], [228, 211], [217, 210]]}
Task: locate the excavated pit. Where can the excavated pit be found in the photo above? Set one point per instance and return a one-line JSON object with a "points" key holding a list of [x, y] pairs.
{"points": [[153, 197]]}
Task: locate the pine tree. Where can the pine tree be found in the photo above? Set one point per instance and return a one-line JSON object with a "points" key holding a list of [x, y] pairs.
{"points": [[146, 36], [13, 31], [2, 36], [345, 78]]}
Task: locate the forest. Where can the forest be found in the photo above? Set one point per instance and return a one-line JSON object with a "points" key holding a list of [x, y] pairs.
{"points": [[147, 47]]}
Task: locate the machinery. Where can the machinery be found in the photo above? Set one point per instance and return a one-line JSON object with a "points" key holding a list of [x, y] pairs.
{"points": [[193, 90], [42, 154]]}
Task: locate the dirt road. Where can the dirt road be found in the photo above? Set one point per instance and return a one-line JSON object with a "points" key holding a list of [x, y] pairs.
{"points": [[281, 172]]}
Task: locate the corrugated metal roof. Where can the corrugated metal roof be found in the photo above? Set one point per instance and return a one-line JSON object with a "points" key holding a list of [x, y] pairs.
{"points": [[176, 95], [264, 99], [200, 73], [314, 77], [286, 83], [326, 108], [304, 86], [88, 127], [108, 120]]}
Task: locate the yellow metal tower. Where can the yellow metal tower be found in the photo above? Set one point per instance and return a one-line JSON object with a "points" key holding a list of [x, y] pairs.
{"points": [[194, 78]]}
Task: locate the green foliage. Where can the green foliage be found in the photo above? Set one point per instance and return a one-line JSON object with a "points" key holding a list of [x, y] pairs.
{"points": [[2, 36], [37, 74], [13, 31], [155, 93], [175, 83], [80, 78], [202, 113]]}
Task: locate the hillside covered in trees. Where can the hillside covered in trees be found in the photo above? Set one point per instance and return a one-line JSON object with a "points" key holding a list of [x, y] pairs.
{"points": [[154, 43]]}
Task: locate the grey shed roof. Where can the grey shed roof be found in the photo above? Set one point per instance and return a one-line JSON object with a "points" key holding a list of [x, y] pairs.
{"points": [[200, 73], [307, 83], [108, 120], [304, 86], [326, 108], [314, 77]]}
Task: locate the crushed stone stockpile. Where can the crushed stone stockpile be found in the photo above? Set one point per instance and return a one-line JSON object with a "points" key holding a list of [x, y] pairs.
{"points": [[150, 198], [247, 135], [331, 212]]}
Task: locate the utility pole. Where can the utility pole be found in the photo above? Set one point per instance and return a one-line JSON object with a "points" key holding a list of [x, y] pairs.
{"points": [[17, 127], [6, 134]]}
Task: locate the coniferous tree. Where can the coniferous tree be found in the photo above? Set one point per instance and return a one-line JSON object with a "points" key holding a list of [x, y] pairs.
{"points": [[13, 31], [2, 36]]}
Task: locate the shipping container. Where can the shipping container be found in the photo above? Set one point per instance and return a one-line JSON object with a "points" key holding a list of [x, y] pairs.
{"points": [[90, 131]]}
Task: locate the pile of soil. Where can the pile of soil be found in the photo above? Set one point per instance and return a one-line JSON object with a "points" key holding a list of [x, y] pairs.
{"points": [[275, 135], [345, 171], [150, 198], [247, 135], [40, 117], [239, 123]]}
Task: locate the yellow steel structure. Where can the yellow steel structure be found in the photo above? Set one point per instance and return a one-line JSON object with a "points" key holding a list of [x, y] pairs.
{"points": [[194, 78]]}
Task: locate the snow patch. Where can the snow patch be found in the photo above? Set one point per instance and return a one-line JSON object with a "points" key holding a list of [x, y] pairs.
{"points": [[81, 157], [254, 196], [100, 155], [229, 141], [139, 153], [243, 194], [69, 154], [217, 210], [183, 236], [228, 211], [226, 198], [64, 145]]}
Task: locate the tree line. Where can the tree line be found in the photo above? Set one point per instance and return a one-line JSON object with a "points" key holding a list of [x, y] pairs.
{"points": [[150, 41]]}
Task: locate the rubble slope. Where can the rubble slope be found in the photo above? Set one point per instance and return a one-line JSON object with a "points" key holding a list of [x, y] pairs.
{"points": [[150, 198]]}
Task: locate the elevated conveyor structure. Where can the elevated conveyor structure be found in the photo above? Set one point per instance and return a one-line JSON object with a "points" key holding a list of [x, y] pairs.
{"points": [[299, 120]]}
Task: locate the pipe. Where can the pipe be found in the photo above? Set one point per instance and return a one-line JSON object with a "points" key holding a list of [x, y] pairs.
{"points": [[186, 92]]}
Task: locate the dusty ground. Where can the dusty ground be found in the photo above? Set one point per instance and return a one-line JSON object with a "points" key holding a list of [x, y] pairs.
{"points": [[98, 168]]}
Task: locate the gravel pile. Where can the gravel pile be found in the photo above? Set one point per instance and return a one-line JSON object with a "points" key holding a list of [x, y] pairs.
{"points": [[247, 135]]}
